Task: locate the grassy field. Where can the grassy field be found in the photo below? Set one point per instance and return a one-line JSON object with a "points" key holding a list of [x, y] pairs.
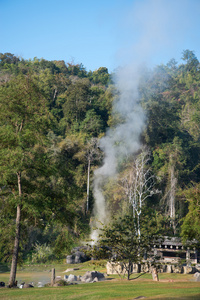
{"points": [[170, 286]]}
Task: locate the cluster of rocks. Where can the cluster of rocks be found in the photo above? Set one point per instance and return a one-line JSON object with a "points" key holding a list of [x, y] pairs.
{"points": [[88, 277], [78, 256], [22, 285], [26, 285], [119, 268]]}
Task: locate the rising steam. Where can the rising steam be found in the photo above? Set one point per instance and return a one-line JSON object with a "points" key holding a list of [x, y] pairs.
{"points": [[122, 140], [149, 28]]}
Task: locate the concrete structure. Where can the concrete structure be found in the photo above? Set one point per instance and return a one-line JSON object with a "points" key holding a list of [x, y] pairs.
{"points": [[172, 250], [171, 255]]}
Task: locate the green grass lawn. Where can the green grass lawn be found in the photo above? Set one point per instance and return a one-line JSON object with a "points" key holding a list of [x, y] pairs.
{"points": [[170, 286]]}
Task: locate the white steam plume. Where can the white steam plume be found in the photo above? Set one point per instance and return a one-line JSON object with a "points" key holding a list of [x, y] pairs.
{"points": [[149, 28], [123, 140]]}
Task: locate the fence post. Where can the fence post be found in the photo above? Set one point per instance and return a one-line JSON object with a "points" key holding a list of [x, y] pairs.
{"points": [[53, 276]]}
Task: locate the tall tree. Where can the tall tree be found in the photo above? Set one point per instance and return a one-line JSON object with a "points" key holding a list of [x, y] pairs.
{"points": [[118, 242], [191, 60], [138, 184], [190, 228], [169, 162], [24, 123]]}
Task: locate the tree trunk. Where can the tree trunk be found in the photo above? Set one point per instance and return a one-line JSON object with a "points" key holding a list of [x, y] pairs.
{"points": [[12, 280], [129, 270], [53, 276], [172, 197], [88, 187], [138, 224]]}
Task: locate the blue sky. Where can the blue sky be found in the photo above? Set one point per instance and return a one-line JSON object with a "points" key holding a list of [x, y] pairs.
{"points": [[104, 33]]}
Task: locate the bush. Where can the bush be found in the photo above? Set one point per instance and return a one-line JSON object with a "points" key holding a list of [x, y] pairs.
{"points": [[63, 244], [42, 253]]}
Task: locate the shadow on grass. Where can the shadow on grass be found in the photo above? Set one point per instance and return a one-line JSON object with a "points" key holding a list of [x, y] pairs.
{"points": [[197, 297], [138, 276], [193, 297]]}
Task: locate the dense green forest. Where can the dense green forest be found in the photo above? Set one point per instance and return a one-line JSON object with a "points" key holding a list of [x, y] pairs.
{"points": [[51, 115]]}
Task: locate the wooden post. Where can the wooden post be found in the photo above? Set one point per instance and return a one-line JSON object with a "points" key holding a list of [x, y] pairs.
{"points": [[155, 274], [53, 276]]}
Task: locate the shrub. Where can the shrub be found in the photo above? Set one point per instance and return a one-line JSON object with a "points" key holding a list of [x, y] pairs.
{"points": [[42, 253]]}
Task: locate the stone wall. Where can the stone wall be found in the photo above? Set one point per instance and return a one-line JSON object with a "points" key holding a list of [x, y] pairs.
{"points": [[119, 268]]}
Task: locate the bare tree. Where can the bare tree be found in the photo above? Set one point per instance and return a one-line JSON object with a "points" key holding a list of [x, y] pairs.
{"points": [[169, 196], [138, 184], [171, 177], [173, 183], [93, 153]]}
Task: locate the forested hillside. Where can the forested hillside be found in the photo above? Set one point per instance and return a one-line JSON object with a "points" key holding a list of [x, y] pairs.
{"points": [[52, 115]]}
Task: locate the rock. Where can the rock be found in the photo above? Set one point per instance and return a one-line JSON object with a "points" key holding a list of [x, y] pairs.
{"points": [[22, 285], [70, 259], [197, 267], [188, 270], [2, 284], [78, 255], [70, 270], [90, 276], [72, 278], [95, 279], [40, 284], [79, 278], [169, 269], [65, 277], [177, 269], [197, 276], [27, 285]]}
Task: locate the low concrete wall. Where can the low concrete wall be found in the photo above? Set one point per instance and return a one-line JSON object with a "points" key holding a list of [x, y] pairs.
{"points": [[119, 268]]}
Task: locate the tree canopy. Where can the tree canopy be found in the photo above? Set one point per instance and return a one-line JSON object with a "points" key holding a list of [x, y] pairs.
{"points": [[50, 114]]}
